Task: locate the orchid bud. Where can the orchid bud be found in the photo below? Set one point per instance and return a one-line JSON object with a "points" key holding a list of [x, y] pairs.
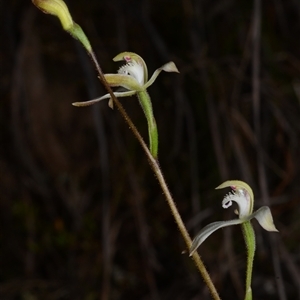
{"points": [[57, 8]]}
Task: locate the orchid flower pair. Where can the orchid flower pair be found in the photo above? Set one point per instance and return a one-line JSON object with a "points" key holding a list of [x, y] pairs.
{"points": [[242, 194], [133, 76]]}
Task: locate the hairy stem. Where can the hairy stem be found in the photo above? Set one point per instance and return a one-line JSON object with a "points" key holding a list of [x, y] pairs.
{"points": [[249, 237]]}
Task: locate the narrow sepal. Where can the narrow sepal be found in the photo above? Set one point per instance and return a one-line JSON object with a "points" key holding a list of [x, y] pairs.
{"points": [[264, 218], [208, 230], [106, 96], [168, 67], [126, 81]]}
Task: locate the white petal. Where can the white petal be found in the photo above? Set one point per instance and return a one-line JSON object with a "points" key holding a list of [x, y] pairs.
{"points": [[208, 230], [264, 218]]}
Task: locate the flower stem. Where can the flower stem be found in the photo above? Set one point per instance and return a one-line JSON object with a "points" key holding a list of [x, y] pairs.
{"points": [[157, 171], [146, 104], [249, 237]]}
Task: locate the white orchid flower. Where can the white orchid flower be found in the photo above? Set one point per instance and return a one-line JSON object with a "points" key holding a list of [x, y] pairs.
{"points": [[133, 76], [241, 194]]}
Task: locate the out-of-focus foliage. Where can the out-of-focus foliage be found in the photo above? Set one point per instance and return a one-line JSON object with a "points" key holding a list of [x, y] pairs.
{"points": [[82, 216]]}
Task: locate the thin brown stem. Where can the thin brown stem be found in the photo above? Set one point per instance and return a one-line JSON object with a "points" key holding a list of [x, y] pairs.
{"points": [[157, 171]]}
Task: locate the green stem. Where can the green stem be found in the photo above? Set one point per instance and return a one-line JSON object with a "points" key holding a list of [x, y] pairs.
{"points": [[77, 33], [249, 237], [146, 104]]}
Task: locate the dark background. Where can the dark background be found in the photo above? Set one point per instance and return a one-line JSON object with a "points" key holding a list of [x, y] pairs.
{"points": [[82, 216]]}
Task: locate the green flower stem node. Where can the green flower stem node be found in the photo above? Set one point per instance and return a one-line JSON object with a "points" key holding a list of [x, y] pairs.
{"points": [[249, 237], [77, 32], [146, 105]]}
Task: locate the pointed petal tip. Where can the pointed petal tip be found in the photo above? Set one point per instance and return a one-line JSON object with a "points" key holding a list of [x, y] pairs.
{"points": [[120, 56], [218, 187], [170, 67], [85, 103], [111, 103], [79, 104], [265, 219], [193, 248]]}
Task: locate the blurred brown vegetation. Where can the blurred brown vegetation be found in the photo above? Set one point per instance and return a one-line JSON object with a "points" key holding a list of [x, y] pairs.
{"points": [[82, 216]]}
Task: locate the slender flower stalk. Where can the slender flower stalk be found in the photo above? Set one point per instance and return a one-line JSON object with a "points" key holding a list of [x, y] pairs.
{"points": [[249, 237], [113, 96], [242, 194]]}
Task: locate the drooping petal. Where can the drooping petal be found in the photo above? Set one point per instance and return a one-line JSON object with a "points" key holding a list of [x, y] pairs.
{"points": [[208, 230], [242, 194], [126, 81], [264, 218], [106, 96], [133, 57], [168, 67]]}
